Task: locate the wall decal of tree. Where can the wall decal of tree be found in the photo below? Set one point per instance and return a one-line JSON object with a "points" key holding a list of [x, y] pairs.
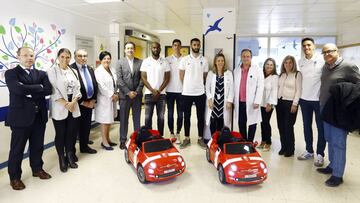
{"points": [[15, 35]]}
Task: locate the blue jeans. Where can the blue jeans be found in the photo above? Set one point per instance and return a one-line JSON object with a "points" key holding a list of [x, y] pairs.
{"points": [[336, 139], [160, 111], [308, 108]]}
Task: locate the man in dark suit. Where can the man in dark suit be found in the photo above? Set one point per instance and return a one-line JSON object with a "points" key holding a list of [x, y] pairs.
{"points": [[130, 85], [27, 115], [87, 102]]}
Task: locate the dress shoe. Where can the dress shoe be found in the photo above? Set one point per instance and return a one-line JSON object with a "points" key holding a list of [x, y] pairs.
{"points": [[326, 170], [71, 160], [281, 152], [17, 184], [42, 175], [76, 159], [289, 154], [63, 163], [122, 145], [334, 181], [112, 144], [108, 148], [89, 151], [90, 142]]}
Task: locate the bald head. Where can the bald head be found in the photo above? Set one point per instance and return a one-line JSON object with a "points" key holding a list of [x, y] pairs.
{"points": [[330, 52]]}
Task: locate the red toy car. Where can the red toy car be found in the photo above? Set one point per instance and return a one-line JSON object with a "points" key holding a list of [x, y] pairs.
{"points": [[237, 160], [154, 157]]}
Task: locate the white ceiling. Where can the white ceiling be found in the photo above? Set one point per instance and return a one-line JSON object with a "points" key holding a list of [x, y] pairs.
{"points": [[254, 17]]}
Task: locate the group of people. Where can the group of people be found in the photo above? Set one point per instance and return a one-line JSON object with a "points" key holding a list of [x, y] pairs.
{"points": [[249, 95]]}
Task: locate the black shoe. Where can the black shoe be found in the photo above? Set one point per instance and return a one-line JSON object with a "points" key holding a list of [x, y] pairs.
{"points": [[90, 142], [76, 159], [326, 170], [88, 150], [122, 145], [108, 148], [63, 163], [289, 154], [334, 181], [71, 160], [281, 152], [112, 144]]}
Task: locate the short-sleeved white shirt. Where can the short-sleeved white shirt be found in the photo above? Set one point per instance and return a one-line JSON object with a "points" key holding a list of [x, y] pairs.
{"points": [[155, 72], [175, 84], [193, 84], [311, 73]]}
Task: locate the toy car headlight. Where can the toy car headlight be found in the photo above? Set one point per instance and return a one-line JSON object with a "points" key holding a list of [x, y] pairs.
{"points": [[153, 165], [179, 159], [233, 167], [182, 163], [231, 173], [151, 171], [265, 170], [262, 165]]}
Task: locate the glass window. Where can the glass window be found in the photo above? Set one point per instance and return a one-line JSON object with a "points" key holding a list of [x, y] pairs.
{"points": [[239, 148], [157, 145]]}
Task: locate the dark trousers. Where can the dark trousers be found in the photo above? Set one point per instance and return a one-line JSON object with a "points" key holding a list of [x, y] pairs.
{"points": [[65, 134], [160, 111], [308, 108], [171, 98], [200, 113], [247, 133], [125, 106], [84, 127], [286, 121], [19, 136], [216, 124], [265, 126]]}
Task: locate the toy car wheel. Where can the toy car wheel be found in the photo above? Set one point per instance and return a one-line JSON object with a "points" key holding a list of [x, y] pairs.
{"points": [[208, 154], [126, 154], [221, 173], [141, 174]]}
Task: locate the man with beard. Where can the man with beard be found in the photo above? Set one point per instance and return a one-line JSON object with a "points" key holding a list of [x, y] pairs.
{"points": [[193, 72], [155, 74]]}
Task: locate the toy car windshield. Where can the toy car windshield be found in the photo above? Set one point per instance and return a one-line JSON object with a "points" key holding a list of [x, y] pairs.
{"points": [[239, 148], [157, 145]]}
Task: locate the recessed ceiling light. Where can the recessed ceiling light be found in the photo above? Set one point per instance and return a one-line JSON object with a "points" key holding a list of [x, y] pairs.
{"points": [[164, 31], [100, 1]]}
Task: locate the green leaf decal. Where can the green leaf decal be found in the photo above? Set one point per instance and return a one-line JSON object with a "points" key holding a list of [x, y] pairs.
{"points": [[5, 57], [2, 30], [18, 29]]}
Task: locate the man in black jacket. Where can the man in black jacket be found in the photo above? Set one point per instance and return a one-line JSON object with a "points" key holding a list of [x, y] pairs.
{"points": [[89, 91], [334, 71], [27, 116]]}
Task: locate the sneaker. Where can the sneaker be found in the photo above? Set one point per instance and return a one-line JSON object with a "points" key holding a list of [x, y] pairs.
{"points": [[201, 143], [261, 146], [305, 156], [326, 170], [185, 143], [177, 138], [172, 135], [334, 181], [266, 147], [319, 161]]}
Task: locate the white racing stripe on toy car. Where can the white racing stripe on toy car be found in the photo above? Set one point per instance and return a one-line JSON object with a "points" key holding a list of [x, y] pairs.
{"points": [[135, 156], [255, 158], [128, 144], [148, 160], [209, 143], [230, 161], [216, 158], [174, 154]]}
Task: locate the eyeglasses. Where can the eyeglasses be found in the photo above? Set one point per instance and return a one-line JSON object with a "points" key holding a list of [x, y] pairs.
{"points": [[328, 52]]}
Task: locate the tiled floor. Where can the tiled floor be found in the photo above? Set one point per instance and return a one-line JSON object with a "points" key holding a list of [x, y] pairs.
{"points": [[105, 177]]}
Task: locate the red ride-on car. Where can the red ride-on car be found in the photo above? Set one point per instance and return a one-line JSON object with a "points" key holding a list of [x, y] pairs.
{"points": [[154, 157], [236, 160]]}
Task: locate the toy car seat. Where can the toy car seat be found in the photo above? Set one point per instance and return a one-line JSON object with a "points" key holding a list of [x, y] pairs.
{"points": [[143, 136], [224, 137]]}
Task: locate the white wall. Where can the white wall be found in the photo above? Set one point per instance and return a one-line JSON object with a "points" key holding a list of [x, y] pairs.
{"points": [[27, 13]]}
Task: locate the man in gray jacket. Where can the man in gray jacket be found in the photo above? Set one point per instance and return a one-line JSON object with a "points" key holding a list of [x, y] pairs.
{"points": [[130, 85]]}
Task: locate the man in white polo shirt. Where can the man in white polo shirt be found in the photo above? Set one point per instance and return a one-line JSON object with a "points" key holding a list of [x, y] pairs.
{"points": [[193, 72], [311, 67], [155, 73], [173, 91]]}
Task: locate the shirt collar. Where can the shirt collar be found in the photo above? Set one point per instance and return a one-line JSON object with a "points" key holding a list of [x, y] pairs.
{"points": [[193, 57], [23, 67], [80, 66]]}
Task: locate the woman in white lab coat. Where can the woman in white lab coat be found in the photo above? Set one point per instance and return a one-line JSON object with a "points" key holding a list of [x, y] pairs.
{"points": [[268, 102], [105, 110], [247, 107], [220, 95]]}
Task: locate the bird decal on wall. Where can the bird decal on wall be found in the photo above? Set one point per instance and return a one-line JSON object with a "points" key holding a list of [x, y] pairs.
{"points": [[215, 26]]}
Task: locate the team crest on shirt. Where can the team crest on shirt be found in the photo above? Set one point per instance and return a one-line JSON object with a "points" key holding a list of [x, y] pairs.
{"points": [[201, 63]]}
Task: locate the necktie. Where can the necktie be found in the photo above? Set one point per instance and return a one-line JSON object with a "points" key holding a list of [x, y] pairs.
{"points": [[90, 88]]}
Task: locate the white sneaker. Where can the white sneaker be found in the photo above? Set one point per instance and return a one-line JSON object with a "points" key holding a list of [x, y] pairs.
{"points": [[319, 161], [178, 141], [172, 136], [305, 156]]}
